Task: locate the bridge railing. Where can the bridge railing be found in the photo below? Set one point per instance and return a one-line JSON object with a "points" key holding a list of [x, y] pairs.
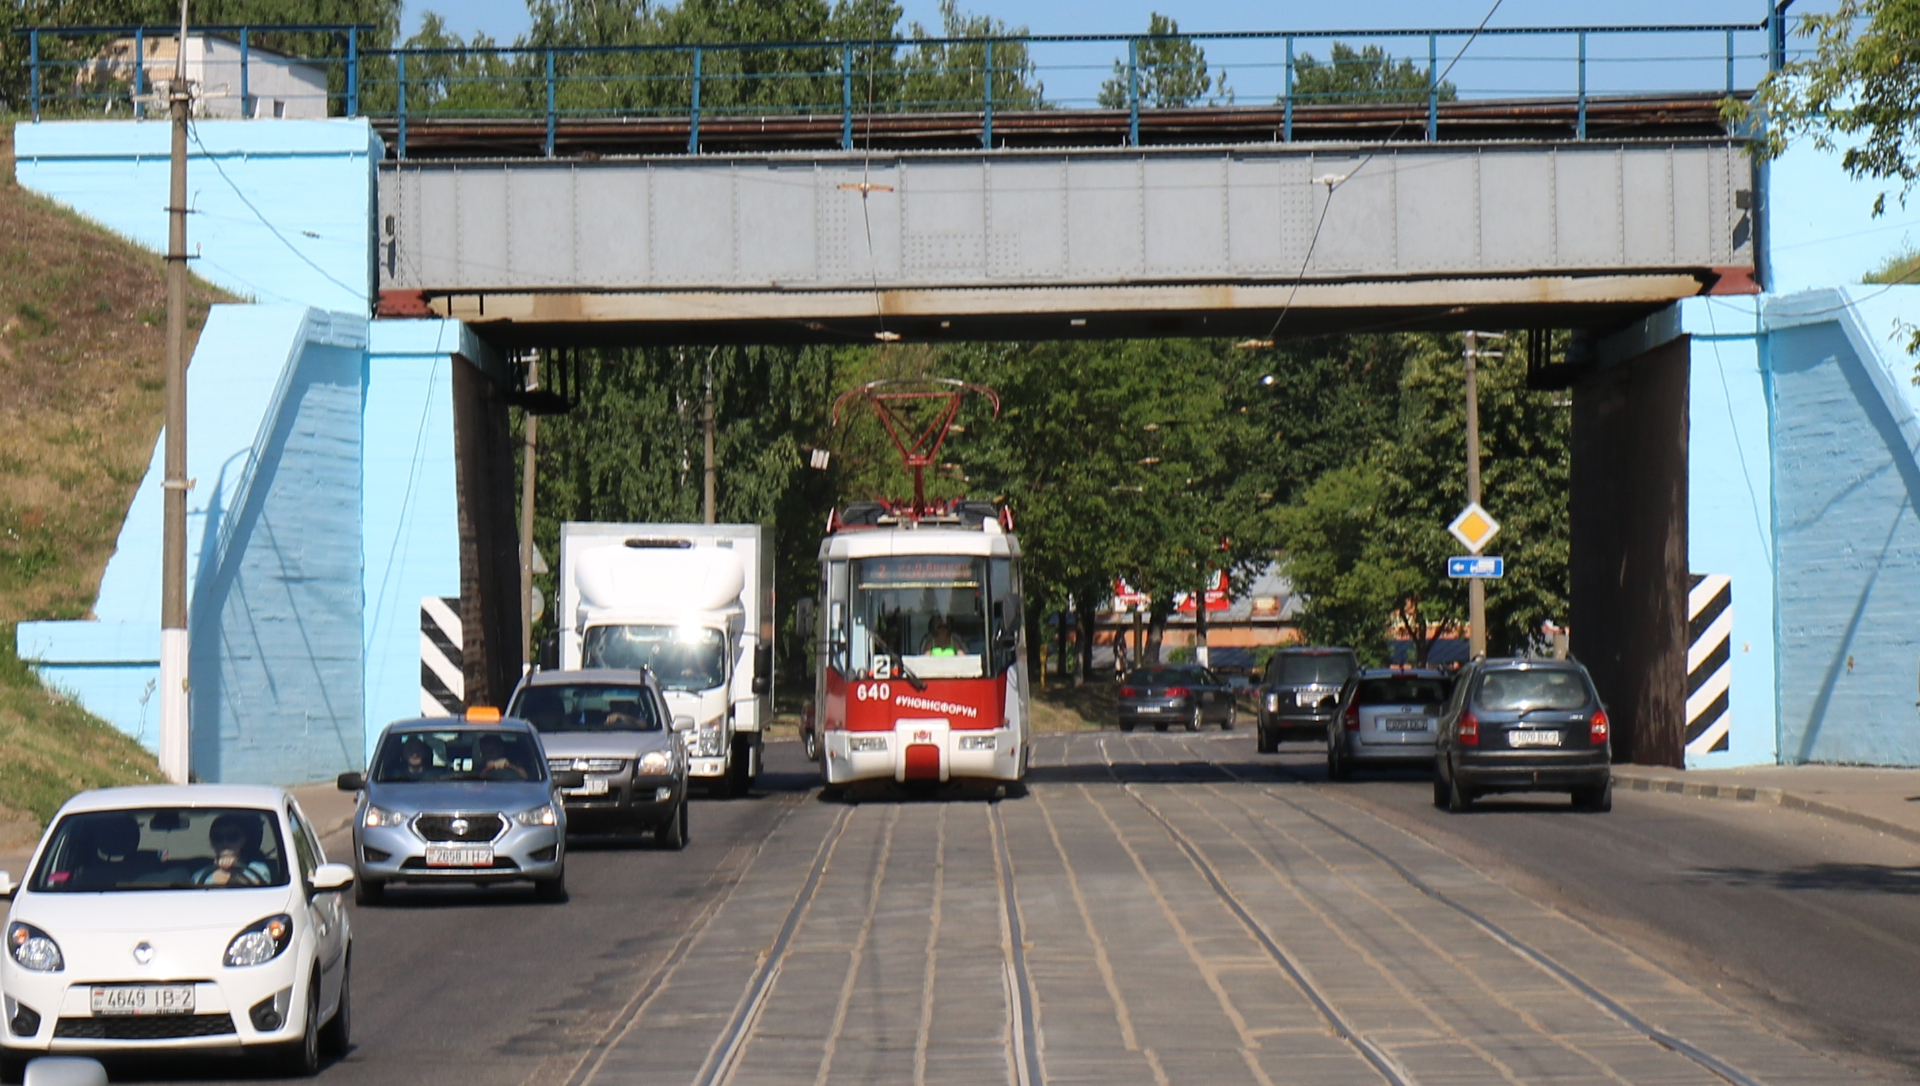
{"points": [[325, 70]]}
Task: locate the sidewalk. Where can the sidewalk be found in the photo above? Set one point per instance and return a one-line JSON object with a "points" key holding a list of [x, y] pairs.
{"points": [[1886, 800], [330, 809]]}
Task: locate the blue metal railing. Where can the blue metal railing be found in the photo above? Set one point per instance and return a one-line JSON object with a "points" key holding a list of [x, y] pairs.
{"points": [[78, 70]]}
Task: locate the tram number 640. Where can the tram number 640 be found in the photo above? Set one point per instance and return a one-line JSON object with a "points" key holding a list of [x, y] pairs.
{"points": [[873, 691]]}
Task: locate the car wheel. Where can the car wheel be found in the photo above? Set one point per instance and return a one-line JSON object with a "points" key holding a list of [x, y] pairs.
{"points": [[1338, 767], [337, 1035], [673, 833], [1126, 725], [1439, 786], [1233, 717], [1597, 798], [1265, 741], [369, 892], [810, 744], [553, 890], [1159, 725], [1459, 800], [13, 1068], [301, 1058], [1196, 718]]}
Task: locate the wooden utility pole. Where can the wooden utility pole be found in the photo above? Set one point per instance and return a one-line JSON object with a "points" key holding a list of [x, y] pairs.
{"points": [[1476, 587], [175, 730], [528, 463], [707, 513]]}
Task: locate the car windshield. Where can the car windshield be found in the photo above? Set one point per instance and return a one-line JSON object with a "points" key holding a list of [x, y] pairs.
{"points": [[1520, 690], [1164, 676], [1402, 690], [162, 848], [468, 754], [1312, 669], [587, 707], [682, 657]]}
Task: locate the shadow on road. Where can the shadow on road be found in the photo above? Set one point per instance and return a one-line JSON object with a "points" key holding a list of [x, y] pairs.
{"points": [[1849, 878]]}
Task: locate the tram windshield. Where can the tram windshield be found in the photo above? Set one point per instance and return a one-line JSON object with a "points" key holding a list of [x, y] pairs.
{"points": [[938, 616]]}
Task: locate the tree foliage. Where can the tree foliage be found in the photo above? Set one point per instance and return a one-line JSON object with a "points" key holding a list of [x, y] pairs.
{"points": [[1367, 74], [1860, 87], [1169, 72]]}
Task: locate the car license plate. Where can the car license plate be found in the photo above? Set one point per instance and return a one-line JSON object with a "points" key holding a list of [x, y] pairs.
{"points": [[460, 856], [594, 786], [143, 999], [1406, 724], [1533, 739]]}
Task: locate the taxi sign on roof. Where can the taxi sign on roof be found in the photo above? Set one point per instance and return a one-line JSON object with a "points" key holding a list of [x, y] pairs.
{"points": [[1474, 527]]}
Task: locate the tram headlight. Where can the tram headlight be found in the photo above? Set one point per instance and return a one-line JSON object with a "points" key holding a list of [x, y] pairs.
{"points": [[978, 742], [867, 744]]}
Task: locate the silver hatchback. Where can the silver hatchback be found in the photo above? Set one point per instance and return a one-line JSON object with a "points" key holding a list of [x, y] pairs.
{"points": [[1385, 717]]}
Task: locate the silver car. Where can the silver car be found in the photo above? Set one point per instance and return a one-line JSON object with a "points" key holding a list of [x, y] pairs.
{"points": [[614, 747], [1386, 716], [458, 800]]}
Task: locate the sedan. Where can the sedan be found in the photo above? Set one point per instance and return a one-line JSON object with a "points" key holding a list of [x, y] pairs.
{"points": [[178, 918], [620, 763], [1189, 695], [1522, 725], [1386, 717], [458, 801]]}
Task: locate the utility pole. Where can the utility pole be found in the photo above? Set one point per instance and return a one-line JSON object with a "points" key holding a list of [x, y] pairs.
{"points": [[1200, 655], [1476, 587], [528, 462], [175, 735], [706, 422]]}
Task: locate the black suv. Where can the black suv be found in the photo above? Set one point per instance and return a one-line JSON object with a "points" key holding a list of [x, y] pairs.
{"points": [[1300, 694], [1523, 726]]}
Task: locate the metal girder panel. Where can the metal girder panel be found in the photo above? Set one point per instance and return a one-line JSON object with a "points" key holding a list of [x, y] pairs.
{"points": [[1081, 217]]}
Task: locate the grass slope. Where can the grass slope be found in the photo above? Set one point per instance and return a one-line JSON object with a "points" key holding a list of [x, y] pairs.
{"points": [[82, 363]]}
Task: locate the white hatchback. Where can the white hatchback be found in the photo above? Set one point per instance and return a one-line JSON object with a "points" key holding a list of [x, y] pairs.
{"points": [[178, 917]]}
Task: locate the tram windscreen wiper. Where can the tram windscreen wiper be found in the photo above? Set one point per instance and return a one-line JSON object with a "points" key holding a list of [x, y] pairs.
{"points": [[906, 673]]}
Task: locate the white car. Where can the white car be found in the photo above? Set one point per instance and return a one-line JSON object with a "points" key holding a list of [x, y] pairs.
{"points": [[178, 918]]}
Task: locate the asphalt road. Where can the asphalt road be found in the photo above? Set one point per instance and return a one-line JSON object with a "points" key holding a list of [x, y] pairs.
{"points": [[1779, 940]]}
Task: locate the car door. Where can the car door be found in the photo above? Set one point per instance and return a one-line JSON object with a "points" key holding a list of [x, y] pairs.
{"points": [[323, 909], [1218, 696]]}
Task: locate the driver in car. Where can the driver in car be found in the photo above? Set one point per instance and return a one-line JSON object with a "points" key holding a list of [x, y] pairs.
{"points": [[941, 640], [236, 854], [495, 763]]}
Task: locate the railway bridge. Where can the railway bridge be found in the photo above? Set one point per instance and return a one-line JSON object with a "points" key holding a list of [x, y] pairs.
{"points": [[407, 247]]}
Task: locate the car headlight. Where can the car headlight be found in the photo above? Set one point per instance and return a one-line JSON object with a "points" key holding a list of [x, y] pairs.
{"points": [[376, 817], [656, 762], [539, 816], [34, 949], [261, 942], [1273, 703]]}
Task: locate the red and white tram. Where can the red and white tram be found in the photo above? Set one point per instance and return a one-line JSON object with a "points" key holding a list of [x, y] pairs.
{"points": [[921, 641]]}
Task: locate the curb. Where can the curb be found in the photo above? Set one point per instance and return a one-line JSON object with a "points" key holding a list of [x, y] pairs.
{"points": [[1771, 797]]}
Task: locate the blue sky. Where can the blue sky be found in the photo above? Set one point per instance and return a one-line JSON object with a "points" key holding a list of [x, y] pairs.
{"points": [[1492, 66]]}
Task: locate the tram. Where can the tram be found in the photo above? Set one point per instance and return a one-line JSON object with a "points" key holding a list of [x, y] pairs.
{"points": [[921, 673]]}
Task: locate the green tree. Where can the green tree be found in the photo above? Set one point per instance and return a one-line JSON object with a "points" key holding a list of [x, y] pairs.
{"points": [[941, 75], [1367, 543], [1860, 87], [1170, 72], [1368, 74]]}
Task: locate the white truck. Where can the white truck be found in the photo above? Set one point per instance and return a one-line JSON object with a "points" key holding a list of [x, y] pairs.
{"points": [[694, 602]]}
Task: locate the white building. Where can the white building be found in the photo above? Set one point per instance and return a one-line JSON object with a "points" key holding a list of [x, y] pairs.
{"points": [[268, 85]]}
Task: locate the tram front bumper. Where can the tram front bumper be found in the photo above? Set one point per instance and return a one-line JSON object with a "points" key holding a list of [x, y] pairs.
{"points": [[923, 750]]}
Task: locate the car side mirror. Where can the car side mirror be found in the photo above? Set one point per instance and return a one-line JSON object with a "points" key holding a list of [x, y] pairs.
{"points": [[6, 885], [683, 724], [329, 877], [350, 782]]}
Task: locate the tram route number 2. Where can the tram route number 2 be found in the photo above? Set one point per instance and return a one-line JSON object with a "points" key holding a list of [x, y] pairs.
{"points": [[873, 691]]}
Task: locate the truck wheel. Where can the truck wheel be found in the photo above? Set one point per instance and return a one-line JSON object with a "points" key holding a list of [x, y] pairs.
{"points": [[739, 767]]}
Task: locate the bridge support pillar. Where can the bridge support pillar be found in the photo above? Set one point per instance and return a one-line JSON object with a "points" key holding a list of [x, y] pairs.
{"points": [[489, 546], [1629, 547]]}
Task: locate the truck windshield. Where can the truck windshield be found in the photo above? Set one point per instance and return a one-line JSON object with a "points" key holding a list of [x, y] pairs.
{"points": [[682, 657], [928, 612]]}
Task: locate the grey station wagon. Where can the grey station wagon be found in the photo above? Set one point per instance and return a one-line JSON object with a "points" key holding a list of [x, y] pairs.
{"points": [[1524, 726]]}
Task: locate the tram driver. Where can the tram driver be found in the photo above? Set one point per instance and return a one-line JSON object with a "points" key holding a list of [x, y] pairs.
{"points": [[942, 641]]}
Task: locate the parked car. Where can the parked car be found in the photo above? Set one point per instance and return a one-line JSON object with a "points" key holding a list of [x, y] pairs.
{"points": [[1523, 726], [174, 918], [1300, 693], [458, 800], [614, 747], [1187, 694], [1386, 716]]}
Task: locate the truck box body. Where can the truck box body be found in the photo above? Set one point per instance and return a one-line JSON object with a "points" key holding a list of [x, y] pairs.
{"points": [[678, 598]]}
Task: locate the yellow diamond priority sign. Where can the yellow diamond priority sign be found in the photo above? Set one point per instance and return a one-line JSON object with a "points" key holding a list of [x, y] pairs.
{"points": [[1474, 527]]}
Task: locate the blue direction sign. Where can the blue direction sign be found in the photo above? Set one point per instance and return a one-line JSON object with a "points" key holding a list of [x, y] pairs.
{"points": [[1477, 566]]}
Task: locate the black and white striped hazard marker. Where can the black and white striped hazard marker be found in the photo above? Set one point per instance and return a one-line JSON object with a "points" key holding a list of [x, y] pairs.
{"points": [[443, 686], [1709, 661]]}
